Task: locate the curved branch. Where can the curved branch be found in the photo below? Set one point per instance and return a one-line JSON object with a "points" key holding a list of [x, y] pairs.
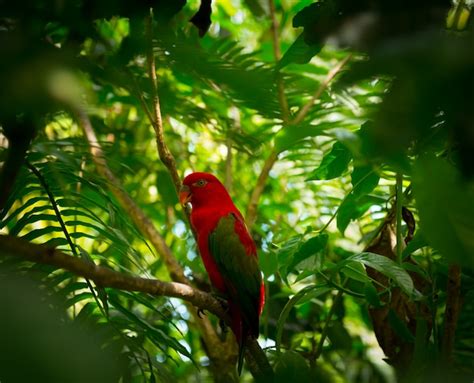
{"points": [[317, 94], [155, 119], [251, 213], [105, 277], [285, 110], [139, 218]]}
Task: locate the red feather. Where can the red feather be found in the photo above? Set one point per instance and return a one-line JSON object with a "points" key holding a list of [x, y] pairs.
{"points": [[210, 203]]}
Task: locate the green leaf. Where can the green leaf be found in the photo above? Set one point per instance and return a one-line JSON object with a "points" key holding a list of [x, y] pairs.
{"points": [[292, 367], [446, 208], [389, 268], [356, 271], [299, 52], [400, 327], [339, 337], [40, 232], [352, 208], [268, 261], [364, 180], [291, 135], [315, 291], [311, 247], [333, 164], [415, 244], [371, 295], [166, 188]]}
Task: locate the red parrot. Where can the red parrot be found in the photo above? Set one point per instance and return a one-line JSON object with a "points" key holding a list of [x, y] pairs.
{"points": [[228, 252]]}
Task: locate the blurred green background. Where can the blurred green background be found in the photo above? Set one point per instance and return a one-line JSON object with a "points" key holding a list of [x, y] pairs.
{"points": [[355, 119]]}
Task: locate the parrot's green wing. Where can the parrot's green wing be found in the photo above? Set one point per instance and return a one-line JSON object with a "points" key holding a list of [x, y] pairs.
{"points": [[233, 250]]}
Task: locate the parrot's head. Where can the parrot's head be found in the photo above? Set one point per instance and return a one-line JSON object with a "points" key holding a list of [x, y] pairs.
{"points": [[201, 189]]}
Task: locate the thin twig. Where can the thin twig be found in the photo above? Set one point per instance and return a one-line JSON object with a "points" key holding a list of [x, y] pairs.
{"points": [[324, 332], [277, 53], [251, 213], [318, 93], [165, 155]]}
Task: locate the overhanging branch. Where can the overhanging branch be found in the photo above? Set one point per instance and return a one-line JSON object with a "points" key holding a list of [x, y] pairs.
{"points": [[105, 277]]}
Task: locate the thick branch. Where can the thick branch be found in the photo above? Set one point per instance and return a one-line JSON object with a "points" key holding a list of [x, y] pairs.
{"points": [[105, 277], [330, 76]]}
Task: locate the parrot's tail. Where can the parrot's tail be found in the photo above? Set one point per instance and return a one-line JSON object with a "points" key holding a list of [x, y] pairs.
{"points": [[240, 331], [242, 345]]}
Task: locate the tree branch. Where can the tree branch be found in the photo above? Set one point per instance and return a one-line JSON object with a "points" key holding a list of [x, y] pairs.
{"points": [[251, 213], [140, 219], [451, 314], [105, 277], [317, 94], [156, 120], [277, 53]]}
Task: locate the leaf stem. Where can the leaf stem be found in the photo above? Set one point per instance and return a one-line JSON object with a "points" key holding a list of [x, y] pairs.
{"points": [[59, 217], [335, 302]]}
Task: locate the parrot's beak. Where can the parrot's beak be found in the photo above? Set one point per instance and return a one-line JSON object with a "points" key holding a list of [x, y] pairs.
{"points": [[184, 195]]}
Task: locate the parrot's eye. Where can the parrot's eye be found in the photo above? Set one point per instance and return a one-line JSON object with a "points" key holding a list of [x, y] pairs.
{"points": [[200, 183]]}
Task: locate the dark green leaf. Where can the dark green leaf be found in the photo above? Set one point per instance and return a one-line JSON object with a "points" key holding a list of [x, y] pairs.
{"points": [[446, 208], [292, 367], [313, 290], [333, 164], [400, 327], [311, 247], [364, 180], [389, 268], [299, 52]]}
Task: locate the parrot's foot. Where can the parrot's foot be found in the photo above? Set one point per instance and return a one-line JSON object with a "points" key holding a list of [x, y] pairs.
{"points": [[222, 300], [200, 313], [223, 326], [224, 330]]}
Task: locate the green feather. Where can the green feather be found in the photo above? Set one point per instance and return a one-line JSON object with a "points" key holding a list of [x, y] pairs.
{"points": [[239, 270]]}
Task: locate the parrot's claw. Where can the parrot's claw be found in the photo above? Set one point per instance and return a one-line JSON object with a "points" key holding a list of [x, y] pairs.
{"points": [[223, 326], [224, 330], [200, 313], [221, 300]]}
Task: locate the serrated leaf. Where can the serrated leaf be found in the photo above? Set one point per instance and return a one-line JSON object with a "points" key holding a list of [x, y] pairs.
{"points": [[333, 164]]}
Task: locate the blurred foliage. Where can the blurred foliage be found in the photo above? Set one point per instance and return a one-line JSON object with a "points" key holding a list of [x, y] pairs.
{"points": [[341, 295]]}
